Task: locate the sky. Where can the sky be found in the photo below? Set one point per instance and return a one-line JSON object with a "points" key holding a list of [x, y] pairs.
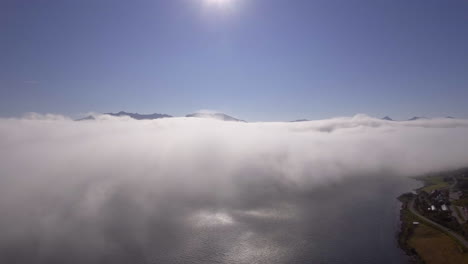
{"points": [[258, 60]]}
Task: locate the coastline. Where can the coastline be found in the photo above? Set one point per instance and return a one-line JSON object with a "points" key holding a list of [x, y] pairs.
{"points": [[407, 230], [422, 241]]}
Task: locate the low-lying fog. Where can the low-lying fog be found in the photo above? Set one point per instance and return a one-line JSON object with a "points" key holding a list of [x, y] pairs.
{"points": [[191, 190]]}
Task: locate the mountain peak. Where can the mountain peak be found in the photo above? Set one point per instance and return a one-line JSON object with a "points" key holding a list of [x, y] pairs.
{"points": [[214, 115], [387, 118], [417, 118], [90, 117]]}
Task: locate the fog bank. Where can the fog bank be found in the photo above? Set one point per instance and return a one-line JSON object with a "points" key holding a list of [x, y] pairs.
{"points": [[103, 176]]}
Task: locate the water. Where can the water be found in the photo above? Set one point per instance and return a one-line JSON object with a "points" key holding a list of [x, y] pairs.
{"points": [[353, 221]]}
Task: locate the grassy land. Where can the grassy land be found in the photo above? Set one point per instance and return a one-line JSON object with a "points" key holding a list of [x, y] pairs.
{"points": [[457, 211], [461, 202], [433, 183], [435, 247]]}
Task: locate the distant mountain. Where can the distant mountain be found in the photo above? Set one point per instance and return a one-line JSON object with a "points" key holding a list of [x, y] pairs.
{"points": [[300, 120], [417, 118], [90, 117], [450, 117], [132, 115], [387, 118], [139, 116], [219, 116]]}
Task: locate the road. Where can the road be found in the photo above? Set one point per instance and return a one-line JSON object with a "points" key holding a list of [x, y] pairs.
{"points": [[463, 241]]}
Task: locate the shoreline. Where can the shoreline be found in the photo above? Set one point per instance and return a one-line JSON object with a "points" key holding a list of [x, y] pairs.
{"points": [[420, 239], [406, 230]]}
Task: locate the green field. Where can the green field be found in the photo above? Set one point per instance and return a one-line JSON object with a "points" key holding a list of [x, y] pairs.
{"points": [[433, 183], [461, 202], [435, 247]]}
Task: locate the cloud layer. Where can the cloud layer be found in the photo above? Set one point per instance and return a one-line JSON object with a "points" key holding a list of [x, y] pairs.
{"points": [[112, 174]]}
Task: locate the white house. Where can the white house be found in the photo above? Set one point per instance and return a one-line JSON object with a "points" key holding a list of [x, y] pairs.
{"points": [[444, 207]]}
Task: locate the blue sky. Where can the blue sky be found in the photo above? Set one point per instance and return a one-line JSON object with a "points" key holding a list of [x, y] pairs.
{"points": [[254, 59]]}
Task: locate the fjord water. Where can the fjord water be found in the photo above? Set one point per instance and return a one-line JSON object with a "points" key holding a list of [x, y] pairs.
{"points": [[354, 220]]}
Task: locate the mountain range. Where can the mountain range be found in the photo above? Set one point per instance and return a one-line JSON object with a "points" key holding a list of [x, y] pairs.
{"points": [[212, 115], [219, 116], [139, 116], [132, 115], [415, 118]]}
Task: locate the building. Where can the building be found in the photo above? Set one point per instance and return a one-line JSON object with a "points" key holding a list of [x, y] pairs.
{"points": [[444, 207]]}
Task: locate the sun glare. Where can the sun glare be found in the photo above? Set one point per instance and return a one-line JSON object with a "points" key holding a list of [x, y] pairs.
{"points": [[219, 3]]}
